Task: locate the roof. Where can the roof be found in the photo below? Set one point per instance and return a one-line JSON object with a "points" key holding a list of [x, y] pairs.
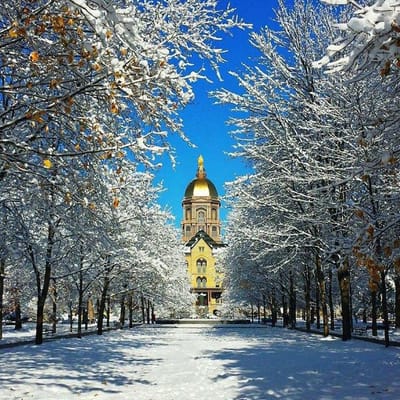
{"points": [[207, 238], [201, 187]]}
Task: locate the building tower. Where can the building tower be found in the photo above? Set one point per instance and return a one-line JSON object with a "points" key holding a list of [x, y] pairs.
{"points": [[201, 233]]}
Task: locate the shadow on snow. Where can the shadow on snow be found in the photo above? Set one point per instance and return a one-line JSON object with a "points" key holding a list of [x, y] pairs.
{"points": [[282, 364]]}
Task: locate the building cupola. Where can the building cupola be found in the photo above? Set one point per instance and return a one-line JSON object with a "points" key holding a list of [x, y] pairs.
{"points": [[201, 206]]}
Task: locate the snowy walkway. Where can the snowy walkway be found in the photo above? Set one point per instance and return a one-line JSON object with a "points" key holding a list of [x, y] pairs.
{"points": [[199, 363]]}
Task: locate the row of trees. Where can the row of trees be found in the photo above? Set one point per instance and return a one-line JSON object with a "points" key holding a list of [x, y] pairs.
{"points": [[89, 93], [316, 224]]}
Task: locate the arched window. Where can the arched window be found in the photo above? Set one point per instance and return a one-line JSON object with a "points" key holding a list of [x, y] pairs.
{"points": [[188, 213], [201, 282], [201, 217], [214, 214], [201, 265]]}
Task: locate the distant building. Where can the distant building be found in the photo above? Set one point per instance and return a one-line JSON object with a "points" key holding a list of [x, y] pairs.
{"points": [[201, 233]]}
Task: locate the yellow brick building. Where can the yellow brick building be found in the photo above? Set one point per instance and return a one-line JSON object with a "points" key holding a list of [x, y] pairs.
{"points": [[201, 233]]}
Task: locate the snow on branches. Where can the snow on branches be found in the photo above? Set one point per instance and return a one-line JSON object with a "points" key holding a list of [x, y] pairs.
{"points": [[369, 40]]}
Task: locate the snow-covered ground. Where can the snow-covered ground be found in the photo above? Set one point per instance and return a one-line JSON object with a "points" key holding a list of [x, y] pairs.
{"points": [[201, 362]]}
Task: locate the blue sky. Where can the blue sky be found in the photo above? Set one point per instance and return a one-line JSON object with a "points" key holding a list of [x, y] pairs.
{"points": [[205, 122]]}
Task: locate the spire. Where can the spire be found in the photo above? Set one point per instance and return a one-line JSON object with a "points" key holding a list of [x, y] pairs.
{"points": [[201, 172]]}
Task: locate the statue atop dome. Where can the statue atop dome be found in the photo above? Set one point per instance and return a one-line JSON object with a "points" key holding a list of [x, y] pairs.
{"points": [[201, 186], [201, 172]]}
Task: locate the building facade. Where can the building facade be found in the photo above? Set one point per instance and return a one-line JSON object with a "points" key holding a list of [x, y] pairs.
{"points": [[201, 233]]}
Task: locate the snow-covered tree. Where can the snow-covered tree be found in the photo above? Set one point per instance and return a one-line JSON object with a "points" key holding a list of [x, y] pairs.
{"points": [[304, 133], [70, 70], [369, 39], [87, 88]]}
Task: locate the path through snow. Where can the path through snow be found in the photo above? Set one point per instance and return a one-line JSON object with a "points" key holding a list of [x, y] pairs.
{"points": [[201, 362]]}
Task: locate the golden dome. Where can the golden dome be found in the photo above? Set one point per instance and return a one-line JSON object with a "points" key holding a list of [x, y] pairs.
{"points": [[201, 186]]}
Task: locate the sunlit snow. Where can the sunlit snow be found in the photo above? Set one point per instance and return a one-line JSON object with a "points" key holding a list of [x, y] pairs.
{"points": [[201, 362]]}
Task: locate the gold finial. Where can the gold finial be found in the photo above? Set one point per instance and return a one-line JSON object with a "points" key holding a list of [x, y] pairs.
{"points": [[200, 161], [201, 173]]}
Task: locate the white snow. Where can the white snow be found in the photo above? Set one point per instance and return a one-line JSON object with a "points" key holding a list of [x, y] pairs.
{"points": [[201, 362]]}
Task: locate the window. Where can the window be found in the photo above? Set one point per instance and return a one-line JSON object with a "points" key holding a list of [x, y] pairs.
{"points": [[201, 265], [188, 229], [188, 213], [201, 249], [201, 217], [214, 214], [214, 231], [198, 282], [201, 282]]}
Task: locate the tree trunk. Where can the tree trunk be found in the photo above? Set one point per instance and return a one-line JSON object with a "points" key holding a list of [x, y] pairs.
{"points": [[274, 311], [54, 313], [397, 301], [102, 305], [374, 313], [385, 308], [122, 313], [153, 315], [130, 310], [264, 309], [284, 311], [86, 316], [2, 273], [292, 301], [80, 303], [322, 294], [17, 309], [42, 294], [317, 303], [108, 312], [70, 316], [344, 286], [307, 295], [148, 311], [330, 301], [143, 309], [39, 319]]}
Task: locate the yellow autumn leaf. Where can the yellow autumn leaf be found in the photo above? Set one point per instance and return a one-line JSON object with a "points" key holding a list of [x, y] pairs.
{"points": [[114, 108], [115, 202], [79, 31], [53, 83], [47, 163], [68, 198], [37, 116], [34, 56], [106, 156], [13, 33], [96, 66], [58, 24]]}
